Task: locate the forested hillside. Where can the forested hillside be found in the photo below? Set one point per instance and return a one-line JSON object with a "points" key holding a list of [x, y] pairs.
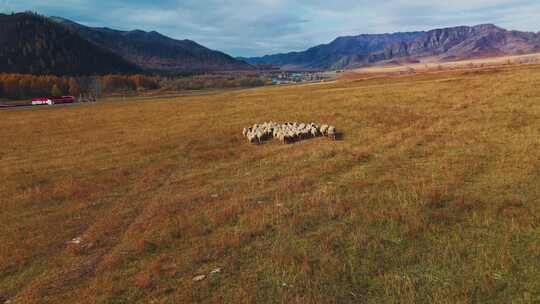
{"points": [[32, 44], [154, 51]]}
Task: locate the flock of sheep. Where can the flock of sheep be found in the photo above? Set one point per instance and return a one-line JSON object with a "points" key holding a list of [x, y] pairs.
{"points": [[288, 132]]}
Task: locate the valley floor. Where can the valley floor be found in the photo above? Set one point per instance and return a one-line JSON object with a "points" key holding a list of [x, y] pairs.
{"points": [[431, 196], [434, 65]]}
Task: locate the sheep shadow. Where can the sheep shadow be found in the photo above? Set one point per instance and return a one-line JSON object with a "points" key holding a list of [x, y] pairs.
{"points": [[340, 136]]}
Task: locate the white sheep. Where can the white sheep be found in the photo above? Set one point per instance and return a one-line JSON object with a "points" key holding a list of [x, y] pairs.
{"points": [[252, 138], [332, 132], [287, 132], [324, 130], [314, 132], [281, 137]]}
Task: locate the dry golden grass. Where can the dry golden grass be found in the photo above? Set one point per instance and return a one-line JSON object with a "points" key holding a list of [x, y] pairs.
{"points": [[432, 196], [433, 64]]}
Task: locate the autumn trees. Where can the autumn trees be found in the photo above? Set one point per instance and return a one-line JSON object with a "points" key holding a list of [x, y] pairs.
{"points": [[74, 87], [22, 86], [116, 83], [218, 81], [18, 86]]}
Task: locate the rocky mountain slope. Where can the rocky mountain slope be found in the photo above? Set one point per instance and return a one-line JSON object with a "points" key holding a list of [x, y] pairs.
{"points": [[454, 43]]}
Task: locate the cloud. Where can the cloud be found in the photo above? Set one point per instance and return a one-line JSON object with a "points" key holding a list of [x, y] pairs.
{"points": [[257, 27]]}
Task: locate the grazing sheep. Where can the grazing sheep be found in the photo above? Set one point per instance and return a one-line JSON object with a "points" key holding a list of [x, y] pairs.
{"points": [[252, 138], [288, 132], [324, 130], [314, 132], [261, 136], [332, 132], [282, 138], [292, 135], [276, 132]]}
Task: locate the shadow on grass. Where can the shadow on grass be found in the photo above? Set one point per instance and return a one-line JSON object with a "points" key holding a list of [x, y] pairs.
{"points": [[340, 136]]}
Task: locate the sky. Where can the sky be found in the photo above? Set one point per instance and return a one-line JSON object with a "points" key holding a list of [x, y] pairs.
{"points": [[258, 27]]}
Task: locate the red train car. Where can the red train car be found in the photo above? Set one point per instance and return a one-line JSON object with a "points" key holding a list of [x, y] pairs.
{"points": [[53, 100], [62, 99]]}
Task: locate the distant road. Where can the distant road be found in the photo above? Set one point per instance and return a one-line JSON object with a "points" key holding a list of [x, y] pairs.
{"points": [[5, 106], [28, 106], [168, 95], [162, 96]]}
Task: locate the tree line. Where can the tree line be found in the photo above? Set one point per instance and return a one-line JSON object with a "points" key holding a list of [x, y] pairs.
{"points": [[216, 81], [24, 86], [19, 86]]}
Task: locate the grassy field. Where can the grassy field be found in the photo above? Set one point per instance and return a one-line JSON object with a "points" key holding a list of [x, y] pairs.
{"points": [[431, 196], [431, 64]]}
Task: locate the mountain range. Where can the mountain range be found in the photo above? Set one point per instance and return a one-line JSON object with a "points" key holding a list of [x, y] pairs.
{"points": [[154, 51], [453, 43], [34, 44]]}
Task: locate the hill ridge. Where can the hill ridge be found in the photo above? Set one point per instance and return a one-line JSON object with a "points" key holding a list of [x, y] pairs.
{"points": [[155, 51], [33, 44], [447, 43]]}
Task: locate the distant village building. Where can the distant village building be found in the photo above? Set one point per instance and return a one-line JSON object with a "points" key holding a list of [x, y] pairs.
{"points": [[295, 77]]}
